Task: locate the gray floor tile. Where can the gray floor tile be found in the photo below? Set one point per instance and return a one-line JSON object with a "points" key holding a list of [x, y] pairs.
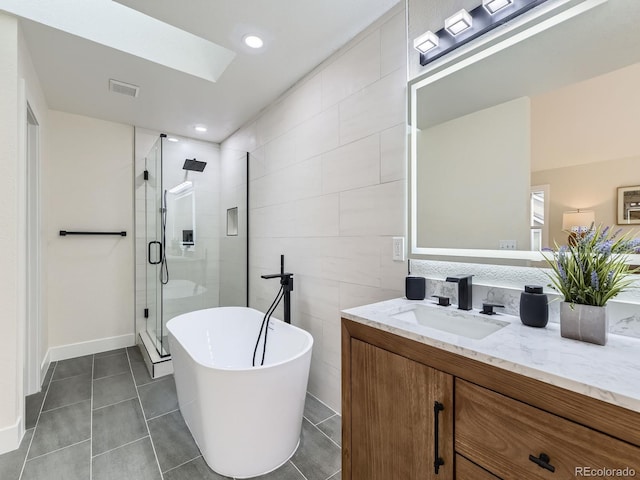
{"points": [[317, 457], [194, 470], [71, 463], [114, 389], [172, 440], [62, 427], [159, 397], [111, 365], [133, 461], [139, 368], [67, 391], [285, 472], [11, 463], [332, 428], [337, 476], [134, 354], [32, 406], [73, 367], [315, 411], [110, 352], [116, 425]]}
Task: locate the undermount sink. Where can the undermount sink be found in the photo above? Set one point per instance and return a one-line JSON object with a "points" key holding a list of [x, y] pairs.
{"points": [[458, 322]]}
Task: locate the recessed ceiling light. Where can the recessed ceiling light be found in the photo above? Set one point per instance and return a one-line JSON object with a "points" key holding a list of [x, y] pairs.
{"points": [[201, 128], [458, 22], [172, 139], [253, 41]]}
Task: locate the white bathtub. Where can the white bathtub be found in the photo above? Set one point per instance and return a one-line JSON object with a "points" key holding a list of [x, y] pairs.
{"points": [[246, 420]]}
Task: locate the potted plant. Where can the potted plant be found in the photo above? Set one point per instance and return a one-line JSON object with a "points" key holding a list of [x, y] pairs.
{"points": [[588, 272]]}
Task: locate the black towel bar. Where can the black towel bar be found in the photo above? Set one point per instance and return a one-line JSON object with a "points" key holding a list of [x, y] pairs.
{"points": [[64, 233]]}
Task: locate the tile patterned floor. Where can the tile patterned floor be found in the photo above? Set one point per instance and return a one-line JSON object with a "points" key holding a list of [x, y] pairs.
{"points": [[102, 417]]}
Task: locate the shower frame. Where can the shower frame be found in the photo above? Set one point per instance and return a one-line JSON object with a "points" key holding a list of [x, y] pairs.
{"points": [[154, 298]]}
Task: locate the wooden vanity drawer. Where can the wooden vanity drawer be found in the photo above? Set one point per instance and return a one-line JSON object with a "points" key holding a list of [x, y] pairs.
{"points": [[504, 436], [466, 470]]}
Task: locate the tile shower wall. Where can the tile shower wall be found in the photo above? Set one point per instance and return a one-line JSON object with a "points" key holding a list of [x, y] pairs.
{"points": [[327, 185]]}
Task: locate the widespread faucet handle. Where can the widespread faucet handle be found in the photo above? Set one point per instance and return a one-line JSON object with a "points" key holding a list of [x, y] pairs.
{"points": [[487, 308]]}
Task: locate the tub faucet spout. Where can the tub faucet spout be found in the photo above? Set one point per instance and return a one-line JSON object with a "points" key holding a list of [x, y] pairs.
{"points": [[286, 280]]}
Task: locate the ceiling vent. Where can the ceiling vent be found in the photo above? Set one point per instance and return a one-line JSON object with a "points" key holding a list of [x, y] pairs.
{"points": [[123, 88]]}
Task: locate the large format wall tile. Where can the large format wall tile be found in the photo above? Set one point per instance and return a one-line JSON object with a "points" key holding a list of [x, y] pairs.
{"points": [[393, 51], [352, 71], [375, 108], [393, 143], [351, 166], [373, 210]]}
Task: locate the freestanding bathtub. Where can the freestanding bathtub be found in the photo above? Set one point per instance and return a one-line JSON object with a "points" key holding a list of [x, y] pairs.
{"points": [[246, 420]]}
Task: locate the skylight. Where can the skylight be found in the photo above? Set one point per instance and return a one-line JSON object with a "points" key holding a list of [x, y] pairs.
{"points": [[122, 28]]}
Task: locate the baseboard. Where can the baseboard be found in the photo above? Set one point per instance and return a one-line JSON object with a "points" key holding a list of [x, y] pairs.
{"points": [[11, 436], [88, 348], [44, 366]]}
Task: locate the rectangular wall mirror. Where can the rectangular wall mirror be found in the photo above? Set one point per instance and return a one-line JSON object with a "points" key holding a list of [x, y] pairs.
{"points": [[504, 145]]}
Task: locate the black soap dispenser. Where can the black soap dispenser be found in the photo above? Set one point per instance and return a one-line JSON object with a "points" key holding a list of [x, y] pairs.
{"points": [[534, 306]]}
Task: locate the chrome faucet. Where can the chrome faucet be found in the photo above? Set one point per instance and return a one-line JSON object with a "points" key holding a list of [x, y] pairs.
{"points": [[465, 290]]}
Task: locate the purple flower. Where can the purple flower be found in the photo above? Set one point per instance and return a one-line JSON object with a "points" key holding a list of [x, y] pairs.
{"points": [[604, 248], [562, 273], [595, 282]]}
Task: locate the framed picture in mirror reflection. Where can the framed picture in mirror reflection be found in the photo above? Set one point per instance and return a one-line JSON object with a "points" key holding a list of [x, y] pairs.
{"points": [[629, 205]]}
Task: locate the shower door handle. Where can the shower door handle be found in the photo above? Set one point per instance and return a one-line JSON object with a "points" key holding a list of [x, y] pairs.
{"points": [[149, 252]]}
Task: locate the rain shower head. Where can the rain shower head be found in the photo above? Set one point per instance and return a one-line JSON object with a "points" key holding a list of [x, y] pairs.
{"points": [[194, 165]]}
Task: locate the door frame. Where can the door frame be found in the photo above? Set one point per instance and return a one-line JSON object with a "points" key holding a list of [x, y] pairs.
{"points": [[33, 298]]}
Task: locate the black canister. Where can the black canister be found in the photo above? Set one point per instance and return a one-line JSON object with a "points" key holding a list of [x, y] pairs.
{"points": [[534, 306], [415, 288]]}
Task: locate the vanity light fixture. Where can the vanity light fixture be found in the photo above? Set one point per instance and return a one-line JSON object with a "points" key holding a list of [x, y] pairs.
{"points": [[465, 26], [494, 6], [458, 22], [426, 42]]}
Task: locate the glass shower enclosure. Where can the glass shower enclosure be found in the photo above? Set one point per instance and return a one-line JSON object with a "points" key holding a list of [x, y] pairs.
{"points": [[187, 257]]}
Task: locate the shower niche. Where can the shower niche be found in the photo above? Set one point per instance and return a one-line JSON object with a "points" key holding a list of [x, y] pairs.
{"points": [[185, 260]]}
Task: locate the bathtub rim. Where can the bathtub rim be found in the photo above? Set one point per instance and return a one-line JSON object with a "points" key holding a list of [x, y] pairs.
{"points": [[308, 346]]}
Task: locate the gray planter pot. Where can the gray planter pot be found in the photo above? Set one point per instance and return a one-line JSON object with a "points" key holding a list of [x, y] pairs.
{"points": [[584, 322]]}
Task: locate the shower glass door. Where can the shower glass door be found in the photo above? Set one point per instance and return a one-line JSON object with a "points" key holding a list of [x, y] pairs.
{"points": [[153, 236], [191, 231]]}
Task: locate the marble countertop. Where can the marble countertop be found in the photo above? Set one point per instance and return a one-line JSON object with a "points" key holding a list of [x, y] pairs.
{"points": [[610, 373]]}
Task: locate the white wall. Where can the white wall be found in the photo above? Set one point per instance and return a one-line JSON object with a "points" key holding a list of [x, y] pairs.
{"points": [[88, 186], [327, 190], [233, 193], [473, 179], [11, 348]]}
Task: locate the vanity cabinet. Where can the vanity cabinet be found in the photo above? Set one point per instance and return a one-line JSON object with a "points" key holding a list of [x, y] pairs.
{"points": [[402, 420], [496, 424]]}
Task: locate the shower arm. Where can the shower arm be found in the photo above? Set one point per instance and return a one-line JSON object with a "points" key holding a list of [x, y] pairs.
{"points": [[286, 280]]}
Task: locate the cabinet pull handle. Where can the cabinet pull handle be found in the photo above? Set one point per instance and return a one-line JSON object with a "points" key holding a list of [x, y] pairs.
{"points": [[543, 461], [438, 461]]}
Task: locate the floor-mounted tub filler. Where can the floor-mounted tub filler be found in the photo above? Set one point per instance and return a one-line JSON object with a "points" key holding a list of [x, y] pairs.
{"points": [[246, 420]]}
